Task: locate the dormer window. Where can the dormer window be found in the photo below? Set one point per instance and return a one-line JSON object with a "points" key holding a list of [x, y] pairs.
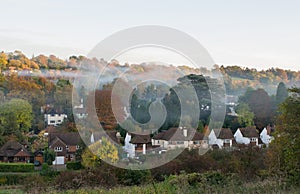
{"points": [[77, 147], [67, 147]]}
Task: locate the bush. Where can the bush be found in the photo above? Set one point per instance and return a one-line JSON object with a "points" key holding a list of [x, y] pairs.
{"points": [[13, 179], [134, 177], [69, 180], [35, 184], [74, 166], [16, 167], [47, 171]]}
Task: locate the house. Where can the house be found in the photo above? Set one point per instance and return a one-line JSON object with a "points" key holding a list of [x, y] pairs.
{"points": [[13, 151], [137, 144], [65, 146], [265, 135], [54, 118], [248, 135], [80, 111], [114, 136], [180, 138], [221, 137]]}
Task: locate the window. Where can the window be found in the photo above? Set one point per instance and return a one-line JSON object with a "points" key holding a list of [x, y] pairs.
{"points": [[227, 140], [59, 121], [58, 149], [52, 121], [180, 142], [67, 147], [253, 139], [77, 147]]}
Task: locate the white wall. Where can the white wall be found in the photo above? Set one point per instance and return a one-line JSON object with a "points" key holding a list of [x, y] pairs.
{"points": [[239, 138], [55, 119]]}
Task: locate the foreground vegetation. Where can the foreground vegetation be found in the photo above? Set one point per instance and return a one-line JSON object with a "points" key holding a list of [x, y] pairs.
{"points": [[209, 182]]}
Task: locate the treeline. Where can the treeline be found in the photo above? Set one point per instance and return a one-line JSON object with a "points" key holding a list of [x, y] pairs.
{"points": [[236, 78]]}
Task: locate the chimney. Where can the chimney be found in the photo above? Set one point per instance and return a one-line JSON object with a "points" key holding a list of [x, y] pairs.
{"points": [[185, 132]]}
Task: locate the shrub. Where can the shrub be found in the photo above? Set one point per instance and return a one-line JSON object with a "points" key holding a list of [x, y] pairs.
{"points": [[35, 184], [134, 177], [74, 166], [47, 171], [16, 167], [13, 179]]}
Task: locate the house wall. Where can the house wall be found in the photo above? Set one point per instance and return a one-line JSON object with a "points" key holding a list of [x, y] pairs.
{"points": [[239, 138], [55, 119]]}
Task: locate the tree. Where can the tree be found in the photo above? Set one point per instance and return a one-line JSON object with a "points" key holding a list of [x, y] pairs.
{"points": [[260, 104], [245, 116], [282, 93], [49, 156], [3, 60], [284, 155], [16, 116], [100, 150]]}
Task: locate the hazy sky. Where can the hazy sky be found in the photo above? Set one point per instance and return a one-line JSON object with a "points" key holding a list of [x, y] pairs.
{"points": [[255, 33]]}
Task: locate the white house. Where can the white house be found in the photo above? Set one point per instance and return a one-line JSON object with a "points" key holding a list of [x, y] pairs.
{"points": [[265, 136], [54, 118], [248, 135], [79, 111], [179, 138], [137, 144], [223, 138]]}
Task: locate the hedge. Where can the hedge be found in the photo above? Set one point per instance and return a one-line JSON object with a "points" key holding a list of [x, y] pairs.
{"points": [[16, 167], [74, 166]]}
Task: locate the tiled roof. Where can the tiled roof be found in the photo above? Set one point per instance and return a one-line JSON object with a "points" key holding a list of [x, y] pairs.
{"points": [[225, 133], [137, 138], [249, 132], [70, 139], [176, 134], [11, 148]]}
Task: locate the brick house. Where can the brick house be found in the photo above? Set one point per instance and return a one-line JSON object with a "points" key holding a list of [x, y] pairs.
{"points": [[13, 151], [65, 146]]}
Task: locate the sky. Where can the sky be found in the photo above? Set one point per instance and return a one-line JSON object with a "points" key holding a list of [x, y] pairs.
{"points": [[259, 34]]}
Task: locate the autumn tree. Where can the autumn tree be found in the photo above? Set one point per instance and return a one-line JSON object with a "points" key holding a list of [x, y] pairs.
{"points": [[100, 150], [3, 60]]}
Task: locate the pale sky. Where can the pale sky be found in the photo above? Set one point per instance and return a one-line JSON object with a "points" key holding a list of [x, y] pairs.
{"points": [[255, 33]]}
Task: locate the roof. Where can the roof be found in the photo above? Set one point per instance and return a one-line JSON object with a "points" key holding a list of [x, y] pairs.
{"points": [[137, 138], [51, 129], [12, 148], [249, 132], [52, 111], [72, 138], [176, 134], [79, 111], [225, 133], [110, 133]]}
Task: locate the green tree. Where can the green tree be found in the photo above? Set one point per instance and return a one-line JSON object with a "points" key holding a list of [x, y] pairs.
{"points": [[49, 156], [282, 93], [284, 154], [16, 116], [245, 116]]}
